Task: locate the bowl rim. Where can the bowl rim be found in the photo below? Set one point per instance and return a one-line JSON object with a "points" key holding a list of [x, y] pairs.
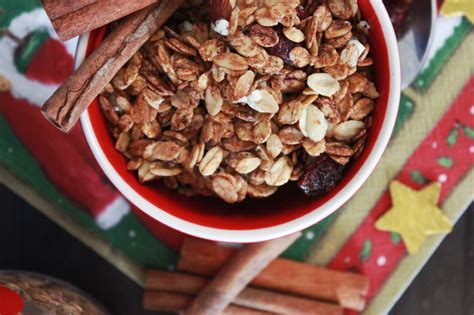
{"points": [[292, 226]]}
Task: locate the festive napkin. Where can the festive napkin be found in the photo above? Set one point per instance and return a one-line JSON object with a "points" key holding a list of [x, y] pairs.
{"points": [[433, 142]]}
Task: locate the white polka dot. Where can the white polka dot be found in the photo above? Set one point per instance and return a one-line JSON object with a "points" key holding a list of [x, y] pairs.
{"points": [[132, 233], [170, 267], [10, 150], [472, 110], [347, 260], [443, 178], [381, 261], [434, 145], [471, 149], [310, 235]]}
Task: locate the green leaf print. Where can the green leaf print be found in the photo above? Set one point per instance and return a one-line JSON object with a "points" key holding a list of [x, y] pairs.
{"points": [[445, 162], [366, 250], [417, 177], [395, 237], [452, 137], [469, 132]]}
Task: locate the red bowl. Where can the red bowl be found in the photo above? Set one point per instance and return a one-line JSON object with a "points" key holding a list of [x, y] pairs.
{"points": [[289, 210]]}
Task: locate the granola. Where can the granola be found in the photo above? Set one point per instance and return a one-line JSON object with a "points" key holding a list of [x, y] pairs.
{"points": [[239, 102]]}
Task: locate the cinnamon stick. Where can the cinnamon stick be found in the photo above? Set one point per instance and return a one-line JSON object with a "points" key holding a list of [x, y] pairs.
{"points": [[249, 297], [93, 15], [66, 105], [347, 289], [177, 302], [236, 273], [58, 8]]}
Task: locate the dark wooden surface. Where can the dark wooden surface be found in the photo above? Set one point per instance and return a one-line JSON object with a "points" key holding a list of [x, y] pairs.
{"points": [[30, 241]]}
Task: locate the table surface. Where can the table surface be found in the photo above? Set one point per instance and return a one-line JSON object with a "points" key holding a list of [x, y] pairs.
{"points": [[30, 241]]}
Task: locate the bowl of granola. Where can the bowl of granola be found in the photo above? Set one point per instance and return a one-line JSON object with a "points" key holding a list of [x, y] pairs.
{"points": [[244, 121]]}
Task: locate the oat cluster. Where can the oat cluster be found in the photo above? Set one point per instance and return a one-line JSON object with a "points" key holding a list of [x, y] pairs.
{"points": [[237, 107]]}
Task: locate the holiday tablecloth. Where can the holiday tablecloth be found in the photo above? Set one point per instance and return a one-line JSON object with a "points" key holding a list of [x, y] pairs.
{"points": [[433, 141]]}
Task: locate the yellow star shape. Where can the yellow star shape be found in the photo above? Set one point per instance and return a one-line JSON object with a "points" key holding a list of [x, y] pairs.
{"points": [[414, 215], [459, 7]]}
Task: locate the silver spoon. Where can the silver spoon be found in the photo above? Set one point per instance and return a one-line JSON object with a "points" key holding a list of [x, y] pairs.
{"points": [[414, 44]]}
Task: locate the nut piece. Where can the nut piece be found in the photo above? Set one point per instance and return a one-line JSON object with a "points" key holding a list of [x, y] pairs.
{"points": [[211, 161], [348, 129], [261, 101], [280, 173], [313, 124], [323, 84], [294, 34]]}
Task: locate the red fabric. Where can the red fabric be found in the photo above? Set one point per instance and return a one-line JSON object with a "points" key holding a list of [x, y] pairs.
{"points": [[51, 64], [65, 158], [424, 160]]}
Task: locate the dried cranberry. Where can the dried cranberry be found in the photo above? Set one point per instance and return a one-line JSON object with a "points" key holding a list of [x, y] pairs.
{"points": [[283, 48], [301, 12], [322, 175]]}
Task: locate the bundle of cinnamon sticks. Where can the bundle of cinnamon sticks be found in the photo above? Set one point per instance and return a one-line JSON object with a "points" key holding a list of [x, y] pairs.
{"points": [[71, 18], [141, 19], [282, 286]]}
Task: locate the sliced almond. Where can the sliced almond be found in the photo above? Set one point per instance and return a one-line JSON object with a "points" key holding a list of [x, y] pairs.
{"points": [[263, 102], [313, 124], [323, 84], [348, 129]]}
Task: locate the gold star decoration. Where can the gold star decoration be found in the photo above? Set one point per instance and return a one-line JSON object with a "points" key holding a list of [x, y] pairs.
{"points": [[459, 7], [414, 215]]}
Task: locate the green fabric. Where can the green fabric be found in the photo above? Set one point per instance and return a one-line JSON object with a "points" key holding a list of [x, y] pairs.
{"points": [[424, 80], [142, 246]]}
